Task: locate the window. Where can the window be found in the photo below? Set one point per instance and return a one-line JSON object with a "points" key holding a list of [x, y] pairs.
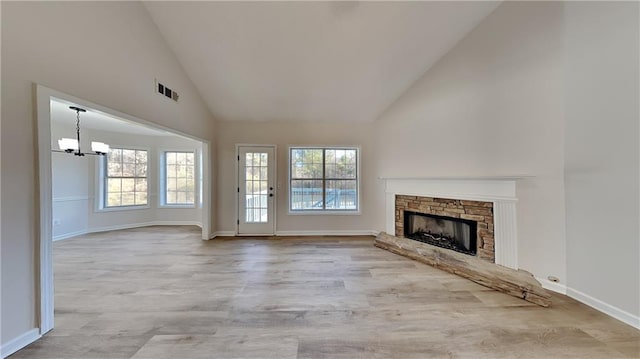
{"points": [[323, 179], [126, 178], [179, 179]]}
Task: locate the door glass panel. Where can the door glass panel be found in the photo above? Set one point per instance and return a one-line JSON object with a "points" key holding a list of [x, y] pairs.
{"points": [[256, 183]]}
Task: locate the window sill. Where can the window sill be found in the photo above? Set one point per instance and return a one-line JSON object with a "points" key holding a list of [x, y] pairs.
{"points": [[123, 208], [177, 206]]}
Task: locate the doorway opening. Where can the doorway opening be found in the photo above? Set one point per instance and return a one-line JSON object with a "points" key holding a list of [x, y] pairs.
{"points": [[140, 182]]}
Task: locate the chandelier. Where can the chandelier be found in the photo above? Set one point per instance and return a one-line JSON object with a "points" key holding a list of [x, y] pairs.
{"points": [[72, 145]]}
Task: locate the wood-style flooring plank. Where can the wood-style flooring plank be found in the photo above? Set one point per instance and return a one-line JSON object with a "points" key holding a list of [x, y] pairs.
{"points": [[161, 292]]}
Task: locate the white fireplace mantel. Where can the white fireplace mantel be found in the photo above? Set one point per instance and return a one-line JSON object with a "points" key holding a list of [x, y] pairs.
{"points": [[499, 190]]}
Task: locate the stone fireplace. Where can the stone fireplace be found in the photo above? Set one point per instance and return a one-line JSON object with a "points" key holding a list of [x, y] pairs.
{"points": [[489, 201], [456, 234], [461, 215], [461, 225]]}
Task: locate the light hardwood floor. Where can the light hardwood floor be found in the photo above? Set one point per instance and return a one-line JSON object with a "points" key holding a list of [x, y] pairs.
{"points": [[161, 292]]}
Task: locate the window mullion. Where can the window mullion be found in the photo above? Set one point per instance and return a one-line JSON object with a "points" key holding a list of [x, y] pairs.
{"points": [[324, 181], [348, 184], [105, 182]]}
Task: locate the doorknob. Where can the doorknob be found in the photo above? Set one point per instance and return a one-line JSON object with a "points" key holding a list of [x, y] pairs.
{"points": [[270, 194]]}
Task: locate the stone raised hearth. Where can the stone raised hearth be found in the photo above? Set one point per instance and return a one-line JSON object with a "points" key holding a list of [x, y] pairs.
{"points": [[491, 203], [517, 283]]}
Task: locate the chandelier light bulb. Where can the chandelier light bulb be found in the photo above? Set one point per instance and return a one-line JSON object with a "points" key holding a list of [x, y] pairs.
{"points": [[99, 148], [68, 144]]}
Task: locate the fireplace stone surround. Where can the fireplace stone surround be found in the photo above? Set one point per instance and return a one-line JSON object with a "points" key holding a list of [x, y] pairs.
{"points": [[500, 192], [478, 211]]}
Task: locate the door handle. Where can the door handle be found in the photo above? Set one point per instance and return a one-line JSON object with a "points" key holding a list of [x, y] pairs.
{"points": [[270, 194]]}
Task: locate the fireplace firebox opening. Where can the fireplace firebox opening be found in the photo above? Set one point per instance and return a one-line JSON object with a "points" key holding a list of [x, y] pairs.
{"points": [[457, 234]]}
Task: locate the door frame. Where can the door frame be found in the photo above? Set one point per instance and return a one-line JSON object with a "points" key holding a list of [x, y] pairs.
{"points": [[275, 184], [44, 251]]}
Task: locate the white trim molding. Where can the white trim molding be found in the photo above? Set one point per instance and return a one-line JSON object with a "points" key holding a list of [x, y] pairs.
{"points": [[597, 304], [70, 235], [144, 224], [303, 233], [505, 233], [126, 226], [45, 205], [71, 199], [20, 342], [499, 190], [615, 312], [327, 233], [552, 286], [222, 234]]}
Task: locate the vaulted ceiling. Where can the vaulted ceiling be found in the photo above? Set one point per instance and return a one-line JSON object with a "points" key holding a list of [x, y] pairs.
{"points": [[310, 61]]}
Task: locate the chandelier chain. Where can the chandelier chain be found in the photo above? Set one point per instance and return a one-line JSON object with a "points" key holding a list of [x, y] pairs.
{"points": [[78, 122]]}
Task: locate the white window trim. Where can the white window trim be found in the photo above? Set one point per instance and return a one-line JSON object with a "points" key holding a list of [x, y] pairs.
{"points": [[325, 212], [101, 194], [162, 180]]}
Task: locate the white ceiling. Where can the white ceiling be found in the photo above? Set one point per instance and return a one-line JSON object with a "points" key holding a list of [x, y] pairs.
{"points": [[92, 119], [310, 61]]}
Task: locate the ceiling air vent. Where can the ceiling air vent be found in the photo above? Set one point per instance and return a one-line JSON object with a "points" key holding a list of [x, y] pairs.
{"points": [[166, 91]]}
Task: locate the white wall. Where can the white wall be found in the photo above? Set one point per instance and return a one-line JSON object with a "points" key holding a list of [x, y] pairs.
{"points": [[283, 135], [493, 106], [105, 52], [76, 189], [601, 154], [70, 187]]}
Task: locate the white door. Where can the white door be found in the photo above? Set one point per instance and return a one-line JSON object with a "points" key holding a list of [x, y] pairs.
{"points": [[256, 190]]}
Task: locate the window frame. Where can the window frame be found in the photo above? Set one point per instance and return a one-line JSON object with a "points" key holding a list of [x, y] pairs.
{"points": [[325, 211], [162, 203], [104, 176]]}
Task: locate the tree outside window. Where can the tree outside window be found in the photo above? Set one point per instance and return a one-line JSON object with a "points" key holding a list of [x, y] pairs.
{"points": [[126, 178], [179, 178], [324, 179]]}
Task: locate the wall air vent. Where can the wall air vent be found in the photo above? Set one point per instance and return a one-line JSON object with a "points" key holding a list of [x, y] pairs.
{"points": [[167, 92]]}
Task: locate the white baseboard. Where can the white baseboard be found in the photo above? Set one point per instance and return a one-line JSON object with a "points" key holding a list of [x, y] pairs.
{"points": [[222, 234], [69, 235], [327, 233], [615, 312], [552, 286], [144, 224], [304, 233], [126, 226], [594, 303], [70, 199], [20, 342]]}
